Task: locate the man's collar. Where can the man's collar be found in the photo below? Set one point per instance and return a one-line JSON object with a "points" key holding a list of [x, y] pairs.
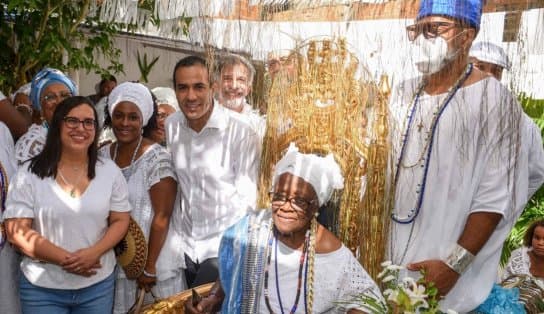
{"points": [[217, 120]]}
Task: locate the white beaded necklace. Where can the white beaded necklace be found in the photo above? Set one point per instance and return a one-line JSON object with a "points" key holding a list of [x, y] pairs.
{"points": [[115, 152]]}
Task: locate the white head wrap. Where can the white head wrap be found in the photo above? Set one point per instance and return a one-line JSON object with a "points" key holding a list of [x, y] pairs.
{"points": [[137, 94], [25, 89], [490, 53], [166, 95], [323, 173]]}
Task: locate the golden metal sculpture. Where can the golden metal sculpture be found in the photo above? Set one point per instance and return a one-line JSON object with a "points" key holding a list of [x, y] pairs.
{"points": [[326, 109]]}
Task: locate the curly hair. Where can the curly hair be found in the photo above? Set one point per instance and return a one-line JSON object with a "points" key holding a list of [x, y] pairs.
{"points": [[528, 238]]}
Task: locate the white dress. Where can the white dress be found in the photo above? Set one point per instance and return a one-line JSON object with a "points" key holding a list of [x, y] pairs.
{"points": [[9, 259], [338, 277], [154, 164], [520, 264], [31, 143]]}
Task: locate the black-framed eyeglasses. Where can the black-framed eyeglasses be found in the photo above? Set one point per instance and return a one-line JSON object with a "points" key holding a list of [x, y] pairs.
{"points": [[429, 29], [73, 123], [50, 98], [297, 203]]}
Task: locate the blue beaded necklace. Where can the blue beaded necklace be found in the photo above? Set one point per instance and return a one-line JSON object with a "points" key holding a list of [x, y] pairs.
{"points": [[421, 192]]}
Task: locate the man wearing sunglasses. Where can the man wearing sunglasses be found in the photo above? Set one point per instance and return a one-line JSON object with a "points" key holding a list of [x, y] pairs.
{"points": [[460, 162]]}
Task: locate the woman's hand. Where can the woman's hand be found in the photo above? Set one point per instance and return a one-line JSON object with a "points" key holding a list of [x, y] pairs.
{"points": [[147, 282], [206, 305], [82, 262]]}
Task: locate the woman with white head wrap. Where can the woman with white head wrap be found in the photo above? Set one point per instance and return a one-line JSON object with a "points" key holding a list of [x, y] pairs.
{"points": [[283, 260], [48, 88], [167, 104], [148, 169]]}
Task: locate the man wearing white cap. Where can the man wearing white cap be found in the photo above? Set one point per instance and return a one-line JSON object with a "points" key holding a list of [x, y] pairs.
{"points": [[490, 58], [281, 260]]}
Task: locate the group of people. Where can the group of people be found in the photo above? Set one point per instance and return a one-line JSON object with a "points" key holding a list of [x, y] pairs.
{"points": [[183, 164]]}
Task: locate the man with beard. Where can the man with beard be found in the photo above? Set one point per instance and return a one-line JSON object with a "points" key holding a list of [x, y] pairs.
{"points": [[234, 77], [460, 160]]}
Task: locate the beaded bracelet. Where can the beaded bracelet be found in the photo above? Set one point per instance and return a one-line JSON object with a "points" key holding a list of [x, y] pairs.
{"points": [[149, 274]]}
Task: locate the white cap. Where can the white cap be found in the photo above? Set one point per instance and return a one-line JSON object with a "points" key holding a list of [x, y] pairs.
{"points": [[166, 96], [137, 94], [322, 173], [490, 53]]}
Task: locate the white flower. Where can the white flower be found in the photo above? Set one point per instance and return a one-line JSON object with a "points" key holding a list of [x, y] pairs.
{"points": [[393, 296], [388, 278], [382, 273], [394, 267], [387, 292], [451, 312], [386, 263]]}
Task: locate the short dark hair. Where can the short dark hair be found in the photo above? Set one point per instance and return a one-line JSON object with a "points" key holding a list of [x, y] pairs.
{"points": [[107, 79], [189, 62], [528, 238], [45, 164]]}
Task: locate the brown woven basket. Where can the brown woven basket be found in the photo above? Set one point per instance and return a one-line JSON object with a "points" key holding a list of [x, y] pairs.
{"points": [[131, 252]]}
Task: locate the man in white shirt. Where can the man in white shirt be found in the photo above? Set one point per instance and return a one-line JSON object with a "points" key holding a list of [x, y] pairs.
{"points": [[460, 162], [216, 158], [234, 78]]}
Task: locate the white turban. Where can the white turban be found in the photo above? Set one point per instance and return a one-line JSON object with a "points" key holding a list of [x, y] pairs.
{"points": [[137, 94], [166, 95], [323, 173], [490, 53]]}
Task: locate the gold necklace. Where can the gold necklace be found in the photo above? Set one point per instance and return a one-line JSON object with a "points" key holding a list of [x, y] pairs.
{"points": [[74, 186]]}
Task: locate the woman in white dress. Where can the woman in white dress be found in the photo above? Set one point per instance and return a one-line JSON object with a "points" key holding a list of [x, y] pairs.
{"points": [[48, 88], [148, 169], [66, 210], [282, 260], [9, 259], [529, 259]]}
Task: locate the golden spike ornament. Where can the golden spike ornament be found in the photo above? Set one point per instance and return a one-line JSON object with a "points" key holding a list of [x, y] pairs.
{"points": [[324, 108]]}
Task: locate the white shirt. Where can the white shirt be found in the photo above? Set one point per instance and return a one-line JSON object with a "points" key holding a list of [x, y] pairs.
{"points": [[478, 164], [70, 223], [152, 166], [217, 172], [338, 277], [254, 119], [7, 151], [31, 143]]}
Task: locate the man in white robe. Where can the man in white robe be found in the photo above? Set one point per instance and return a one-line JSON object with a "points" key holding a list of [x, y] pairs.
{"points": [[460, 160]]}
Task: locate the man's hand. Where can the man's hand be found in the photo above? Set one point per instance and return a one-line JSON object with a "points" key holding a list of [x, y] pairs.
{"points": [[146, 282], [207, 305], [436, 271]]}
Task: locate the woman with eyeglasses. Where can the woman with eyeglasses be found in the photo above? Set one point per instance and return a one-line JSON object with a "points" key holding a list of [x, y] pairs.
{"points": [[148, 169], [282, 260], [48, 88], [167, 104], [66, 209]]}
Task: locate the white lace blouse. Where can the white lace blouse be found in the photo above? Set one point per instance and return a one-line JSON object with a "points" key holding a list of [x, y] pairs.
{"points": [[31, 143], [338, 277], [519, 264], [154, 165]]}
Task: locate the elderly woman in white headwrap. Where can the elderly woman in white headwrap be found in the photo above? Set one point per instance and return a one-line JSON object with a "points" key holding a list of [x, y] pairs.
{"points": [[167, 104], [48, 88], [148, 169], [282, 260]]}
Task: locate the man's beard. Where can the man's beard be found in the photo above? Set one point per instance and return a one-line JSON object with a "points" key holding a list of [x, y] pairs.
{"points": [[234, 104]]}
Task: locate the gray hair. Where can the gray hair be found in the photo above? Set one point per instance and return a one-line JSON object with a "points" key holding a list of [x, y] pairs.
{"points": [[232, 60]]}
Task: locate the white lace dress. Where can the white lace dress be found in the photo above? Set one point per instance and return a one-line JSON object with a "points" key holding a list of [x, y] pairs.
{"points": [[520, 264], [31, 143], [154, 165], [338, 277]]}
